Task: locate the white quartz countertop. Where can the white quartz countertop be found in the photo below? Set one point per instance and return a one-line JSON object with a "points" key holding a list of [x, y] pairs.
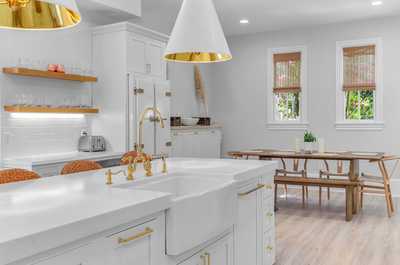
{"points": [[73, 207], [38, 160]]}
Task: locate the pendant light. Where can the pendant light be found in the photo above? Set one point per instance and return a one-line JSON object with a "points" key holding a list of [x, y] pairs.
{"points": [[38, 14], [197, 36]]}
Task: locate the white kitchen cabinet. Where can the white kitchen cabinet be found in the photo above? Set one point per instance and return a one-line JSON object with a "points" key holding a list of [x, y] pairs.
{"points": [[136, 55], [141, 100], [198, 143], [219, 253], [163, 103], [255, 227], [146, 57], [143, 244], [155, 64], [124, 53], [82, 255], [246, 230], [149, 92]]}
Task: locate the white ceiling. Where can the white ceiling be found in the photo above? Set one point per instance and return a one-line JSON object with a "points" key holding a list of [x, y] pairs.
{"points": [[267, 15]]}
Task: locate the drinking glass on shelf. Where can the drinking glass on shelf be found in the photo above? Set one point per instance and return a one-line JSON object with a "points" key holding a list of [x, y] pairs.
{"points": [[29, 100]]}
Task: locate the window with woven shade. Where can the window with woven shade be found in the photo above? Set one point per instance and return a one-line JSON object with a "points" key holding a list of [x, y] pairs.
{"points": [[359, 82], [359, 86], [287, 85], [287, 69]]}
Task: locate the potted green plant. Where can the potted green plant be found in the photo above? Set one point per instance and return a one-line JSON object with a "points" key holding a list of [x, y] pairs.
{"points": [[309, 142]]}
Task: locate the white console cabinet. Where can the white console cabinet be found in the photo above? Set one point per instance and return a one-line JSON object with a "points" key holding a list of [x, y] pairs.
{"points": [[196, 142]]}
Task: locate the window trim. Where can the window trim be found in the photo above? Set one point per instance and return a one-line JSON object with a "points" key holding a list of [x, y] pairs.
{"points": [[341, 122], [302, 122]]}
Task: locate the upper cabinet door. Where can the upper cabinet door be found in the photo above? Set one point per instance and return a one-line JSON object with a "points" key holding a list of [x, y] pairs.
{"points": [[163, 103], [137, 55], [155, 64], [145, 99]]}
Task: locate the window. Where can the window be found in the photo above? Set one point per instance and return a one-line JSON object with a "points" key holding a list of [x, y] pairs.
{"points": [[287, 89], [358, 92]]}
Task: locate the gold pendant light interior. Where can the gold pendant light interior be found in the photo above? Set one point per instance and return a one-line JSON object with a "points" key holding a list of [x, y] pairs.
{"points": [[198, 57], [34, 14]]}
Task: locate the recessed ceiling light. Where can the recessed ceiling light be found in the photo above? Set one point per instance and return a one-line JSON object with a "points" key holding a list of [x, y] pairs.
{"points": [[244, 21], [376, 3]]}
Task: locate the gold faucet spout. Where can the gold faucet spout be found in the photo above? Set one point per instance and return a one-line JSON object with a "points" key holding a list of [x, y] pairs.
{"points": [[158, 118]]}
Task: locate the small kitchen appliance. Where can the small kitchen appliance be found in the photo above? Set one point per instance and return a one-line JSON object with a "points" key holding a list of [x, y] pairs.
{"points": [[89, 143]]}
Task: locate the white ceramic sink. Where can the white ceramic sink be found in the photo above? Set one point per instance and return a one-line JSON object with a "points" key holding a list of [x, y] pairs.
{"points": [[202, 208]]}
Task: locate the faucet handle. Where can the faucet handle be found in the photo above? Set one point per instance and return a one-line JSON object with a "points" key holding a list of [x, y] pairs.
{"points": [[164, 166], [109, 177]]}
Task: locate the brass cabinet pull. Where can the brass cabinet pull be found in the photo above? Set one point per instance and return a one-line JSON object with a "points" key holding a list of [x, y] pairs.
{"points": [[269, 248], [259, 186], [268, 187], [148, 231], [204, 259]]}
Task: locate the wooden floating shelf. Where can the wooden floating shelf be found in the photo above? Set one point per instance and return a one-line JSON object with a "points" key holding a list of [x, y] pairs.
{"points": [[47, 74], [50, 110]]}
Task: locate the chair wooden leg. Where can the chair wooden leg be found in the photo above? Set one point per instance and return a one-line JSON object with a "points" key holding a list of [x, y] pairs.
{"points": [[320, 192], [303, 195], [276, 196], [391, 200], [328, 190], [349, 204], [388, 204], [361, 197], [286, 191], [382, 168]]}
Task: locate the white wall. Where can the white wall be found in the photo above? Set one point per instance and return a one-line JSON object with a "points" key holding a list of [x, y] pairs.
{"points": [[239, 88], [183, 101], [69, 47]]}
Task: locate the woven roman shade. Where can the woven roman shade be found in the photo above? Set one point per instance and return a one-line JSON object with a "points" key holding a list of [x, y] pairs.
{"points": [[359, 68], [287, 70]]}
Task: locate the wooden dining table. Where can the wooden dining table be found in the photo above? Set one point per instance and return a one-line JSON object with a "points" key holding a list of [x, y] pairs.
{"points": [[353, 157]]}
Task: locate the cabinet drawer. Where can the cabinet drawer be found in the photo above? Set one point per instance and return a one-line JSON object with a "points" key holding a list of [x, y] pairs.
{"points": [[268, 214], [268, 192], [136, 245], [268, 179], [269, 247], [77, 256]]}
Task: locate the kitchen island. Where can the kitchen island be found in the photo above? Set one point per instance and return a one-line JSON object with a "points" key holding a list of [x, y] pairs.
{"points": [[77, 219]]}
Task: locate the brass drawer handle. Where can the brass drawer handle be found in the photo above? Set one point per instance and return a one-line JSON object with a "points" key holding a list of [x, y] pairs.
{"points": [[148, 231], [270, 214], [206, 257], [269, 248], [268, 187], [259, 186]]}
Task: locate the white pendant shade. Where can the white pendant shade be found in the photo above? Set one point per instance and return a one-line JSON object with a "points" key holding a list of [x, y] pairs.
{"points": [[38, 14], [197, 36]]}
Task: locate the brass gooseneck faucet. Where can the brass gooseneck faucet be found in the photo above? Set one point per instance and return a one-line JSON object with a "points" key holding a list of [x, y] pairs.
{"points": [[141, 157], [157, 118]]}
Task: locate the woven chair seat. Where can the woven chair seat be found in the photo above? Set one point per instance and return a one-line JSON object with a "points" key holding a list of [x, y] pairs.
{"points": [[80, 166], [15, 175]]}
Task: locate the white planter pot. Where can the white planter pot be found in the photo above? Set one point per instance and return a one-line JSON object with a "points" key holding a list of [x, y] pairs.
{"points": [[309, 147]]}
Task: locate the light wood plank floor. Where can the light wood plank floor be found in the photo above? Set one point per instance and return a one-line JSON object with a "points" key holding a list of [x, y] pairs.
{"points": [[320, 236]]}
